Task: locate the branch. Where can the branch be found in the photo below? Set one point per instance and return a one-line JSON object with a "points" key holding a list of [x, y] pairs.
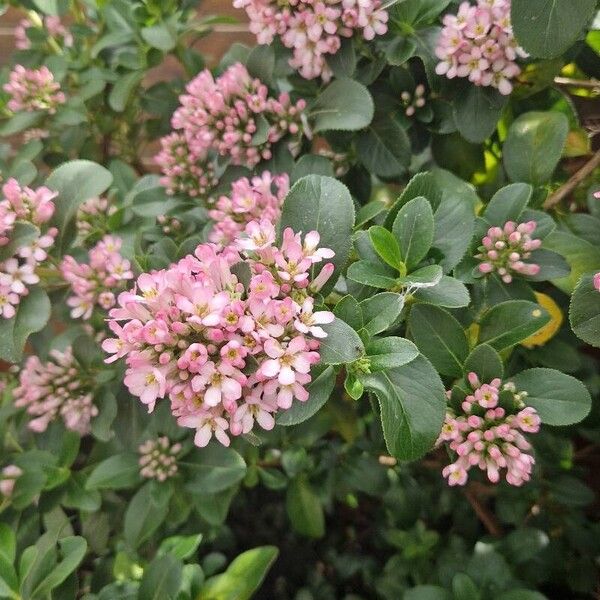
{"points": [[564, 190], [484, 514], [580, 83]]}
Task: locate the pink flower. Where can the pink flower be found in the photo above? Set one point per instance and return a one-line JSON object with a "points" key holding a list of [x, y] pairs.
{"points": [[147, 382], [597, 281], [489, 436], [478, 43], [504, 250], [8, 478], [227, 354], [158, 459], [32, 90]]}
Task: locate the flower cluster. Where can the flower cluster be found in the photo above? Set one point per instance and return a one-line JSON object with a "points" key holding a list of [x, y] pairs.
{"points": [[51, 24], [22, 205], [250, 200], [57, 388], [8, 478], [504, 249], [478, 43], [94, 283], [158, 459], [226, 353], [313, 29], [489, 433], [230, 116], [92, 216], [413, 102], [33, 89], [597, 281]]}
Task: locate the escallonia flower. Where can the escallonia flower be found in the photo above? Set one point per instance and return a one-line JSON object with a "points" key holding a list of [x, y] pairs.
{"points": [[228, 351], [504, 250], [314, 29], [92, 216], [56, 389], [230, 116], [22, 204], [33, 90], [486, 432], [95, 283], [478, 43], [158, 459], [256, 199]]}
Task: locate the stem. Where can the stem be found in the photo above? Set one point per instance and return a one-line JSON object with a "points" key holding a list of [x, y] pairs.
{"points": [[582, 83], [564, 190], [483, 513]]}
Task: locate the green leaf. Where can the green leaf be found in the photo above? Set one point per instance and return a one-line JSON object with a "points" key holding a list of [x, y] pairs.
{"points": [[413, 228], [534, 145], [508, 323], [343, 62], [146, 512], [304, 509], [344, 105], [449, 293], [342, 344], [440, 337], [73, 549], [160, 36], [477, 111], [485, 362], [380, 311], [117, 472], [75, 181], [373, 274], [425, 277], [427, 592], [464, 588], [584, 312], [413, 405], [181, 547], [319, 390], [508, 203], [386, 246], [422, 184], [20, 122], [123, 89], [261, 63], [582, 257], [312, 164], [162, 579], [384, 148], [552, 265], [322, 204], [32, 315], [547, 28], [558, 398], [214, 469], [49, 7], [107, 411], [348, 309], [8, 543], [390, 352], [243, 577], [22, 234]]}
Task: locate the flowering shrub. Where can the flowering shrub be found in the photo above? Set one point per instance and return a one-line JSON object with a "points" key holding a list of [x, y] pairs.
{"points": [[314, 319]]}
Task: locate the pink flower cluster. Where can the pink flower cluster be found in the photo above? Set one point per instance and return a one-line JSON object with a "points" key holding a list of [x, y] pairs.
{"points": [[597, 281], [478, 43], [33, 89], [504, 249], [226, 353], [230, 116], [94, 283], [158, 459], [313, 29], [8, 478], [17, 272], [413, 102], [250, 200], [57, 388], [489, 434], [53, 26], [92, 216]]}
